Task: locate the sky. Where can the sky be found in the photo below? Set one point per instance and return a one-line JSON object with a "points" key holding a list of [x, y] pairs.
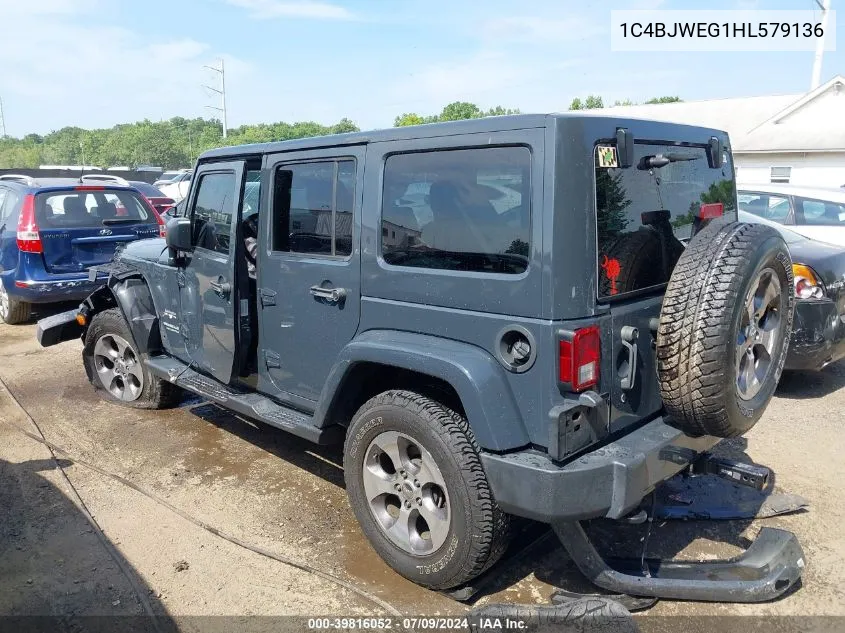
{"points": [[96, 63]]}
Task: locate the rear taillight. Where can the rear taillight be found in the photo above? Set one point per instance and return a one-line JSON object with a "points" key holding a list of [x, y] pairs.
{"points": [[162, 227], [29, 241], [579, 356]]}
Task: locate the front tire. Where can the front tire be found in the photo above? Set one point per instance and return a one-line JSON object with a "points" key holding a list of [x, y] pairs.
{"points": [[416, 484], [116, 368]]}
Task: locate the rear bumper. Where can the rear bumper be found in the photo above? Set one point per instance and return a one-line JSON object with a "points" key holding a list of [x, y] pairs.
{"points": [[818, 336], [609, 482], [57, 288]]}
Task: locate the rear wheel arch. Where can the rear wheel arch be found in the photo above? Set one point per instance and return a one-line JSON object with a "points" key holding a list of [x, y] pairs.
{"points": [[463, 377]]}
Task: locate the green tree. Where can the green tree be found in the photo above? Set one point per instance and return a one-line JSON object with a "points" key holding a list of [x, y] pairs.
{"points": [[592, 102], [409, 118], [664, 100], [460, 110], [626, 102]]}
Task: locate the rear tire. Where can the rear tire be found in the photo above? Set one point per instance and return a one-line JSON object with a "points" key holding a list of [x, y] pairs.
{"points": [[434, 445], [116, 368], [724, 328], [13, 311]]}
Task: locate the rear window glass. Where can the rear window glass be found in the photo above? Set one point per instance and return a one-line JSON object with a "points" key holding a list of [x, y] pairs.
{"points": [[81, 209], [148, 190], [647, 214], [466, 210]]}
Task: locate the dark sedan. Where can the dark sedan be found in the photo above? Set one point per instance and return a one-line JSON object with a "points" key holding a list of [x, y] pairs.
{"points": [[161, 202], [818, 331]]}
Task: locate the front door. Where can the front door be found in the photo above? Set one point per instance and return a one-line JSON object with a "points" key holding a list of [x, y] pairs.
{"points": [[207, 290], [308, 273]]}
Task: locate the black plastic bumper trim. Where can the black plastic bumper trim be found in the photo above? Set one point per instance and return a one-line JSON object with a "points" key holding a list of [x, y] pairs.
{"points": [[767, 569]]}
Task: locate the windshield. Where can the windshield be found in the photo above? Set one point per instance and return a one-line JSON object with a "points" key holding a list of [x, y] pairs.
{"points": [[646, 212]]}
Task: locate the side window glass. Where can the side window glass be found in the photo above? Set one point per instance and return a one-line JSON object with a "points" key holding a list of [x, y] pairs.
{"points": [[3, 210], [819, 212], [313, 205], [465, 210], [345, 202], [213, 210], [770, 207]]}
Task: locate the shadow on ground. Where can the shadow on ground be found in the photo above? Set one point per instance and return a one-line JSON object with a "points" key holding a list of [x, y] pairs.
{"points": [[57, 572], [799, 385]]}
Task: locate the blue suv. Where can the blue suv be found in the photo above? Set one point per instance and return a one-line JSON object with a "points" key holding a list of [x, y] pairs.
{"points": [[53, 230]]}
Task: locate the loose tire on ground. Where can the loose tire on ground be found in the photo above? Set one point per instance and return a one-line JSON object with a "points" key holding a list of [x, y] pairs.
{"points": [[108, 328], [477, 531], [12, 311], [585, 615], [719, 304]]}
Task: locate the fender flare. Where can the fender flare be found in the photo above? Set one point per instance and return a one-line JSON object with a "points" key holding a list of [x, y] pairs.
{"points": [[476, 376], [132, 295]]}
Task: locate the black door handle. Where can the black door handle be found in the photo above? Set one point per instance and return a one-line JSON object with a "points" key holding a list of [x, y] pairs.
{"points": [[222, 288], [330, 295]]}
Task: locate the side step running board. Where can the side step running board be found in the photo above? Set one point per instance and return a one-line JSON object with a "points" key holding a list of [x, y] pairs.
{"points": [[250, 404], [766, 570]]}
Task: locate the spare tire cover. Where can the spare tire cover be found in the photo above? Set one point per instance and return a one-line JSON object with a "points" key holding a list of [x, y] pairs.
{"points": [[724, 329]]}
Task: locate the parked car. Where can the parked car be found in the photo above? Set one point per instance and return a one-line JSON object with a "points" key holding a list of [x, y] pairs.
{"points": [[156, 198], [169, 177], [816, 213], [818, 334], [556, 355], [178, 187], [52, 230]]}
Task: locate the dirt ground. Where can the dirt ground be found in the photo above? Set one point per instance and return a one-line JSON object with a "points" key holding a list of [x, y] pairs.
{"points": [[197, 465]]}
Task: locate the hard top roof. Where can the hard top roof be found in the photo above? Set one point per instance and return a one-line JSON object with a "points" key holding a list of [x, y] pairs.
{"points": [[430, 130]]}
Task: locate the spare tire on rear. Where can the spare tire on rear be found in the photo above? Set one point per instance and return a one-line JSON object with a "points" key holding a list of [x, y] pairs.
{"points": [[724, 328]]}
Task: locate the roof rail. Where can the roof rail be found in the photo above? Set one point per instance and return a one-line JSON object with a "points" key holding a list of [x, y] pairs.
{"points": [[29, 180], [108, 177]]}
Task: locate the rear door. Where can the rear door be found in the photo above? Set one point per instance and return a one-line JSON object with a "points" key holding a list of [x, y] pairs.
{"points": [[645, 218], [208, 295], [82, 227], [309, 277]]}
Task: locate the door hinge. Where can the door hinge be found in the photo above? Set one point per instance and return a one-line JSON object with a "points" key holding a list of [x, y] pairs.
{"points": [[268, 297], [180, 278], [272, 360]]}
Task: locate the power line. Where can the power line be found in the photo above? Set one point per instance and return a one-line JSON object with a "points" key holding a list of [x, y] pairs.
{"points": [[2, 120], [221, 91]]}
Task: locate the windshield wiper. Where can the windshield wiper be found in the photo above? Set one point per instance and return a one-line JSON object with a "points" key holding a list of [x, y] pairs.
{"points": [[661, 160]]}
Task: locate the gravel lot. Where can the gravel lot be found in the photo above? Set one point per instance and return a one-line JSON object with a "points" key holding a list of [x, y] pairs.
{"points": [[201, 465]]}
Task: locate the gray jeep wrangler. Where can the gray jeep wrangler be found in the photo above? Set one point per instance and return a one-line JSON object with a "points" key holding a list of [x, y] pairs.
{"points": [[539, 316]]}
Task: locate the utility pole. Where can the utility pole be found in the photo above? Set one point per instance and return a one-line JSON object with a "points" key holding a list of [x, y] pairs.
{"points": [[824, 5], [2, 120], [221, 91]]}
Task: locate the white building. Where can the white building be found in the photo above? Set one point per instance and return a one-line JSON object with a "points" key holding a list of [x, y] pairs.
{"points": [[798, 139]]}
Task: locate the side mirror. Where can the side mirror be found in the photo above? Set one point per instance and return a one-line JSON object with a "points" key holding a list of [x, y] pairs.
{"points": [[179, 234]]}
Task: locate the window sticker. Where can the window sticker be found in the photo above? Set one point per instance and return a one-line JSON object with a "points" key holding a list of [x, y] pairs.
{"points": [[607, 157]]}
